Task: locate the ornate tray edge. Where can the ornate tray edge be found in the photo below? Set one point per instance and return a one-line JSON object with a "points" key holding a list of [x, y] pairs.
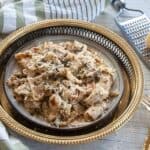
{"points": [[138, 88]]}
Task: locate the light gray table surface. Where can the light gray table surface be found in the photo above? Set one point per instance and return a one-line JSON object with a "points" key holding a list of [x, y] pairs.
{"points": [[132, 135]]}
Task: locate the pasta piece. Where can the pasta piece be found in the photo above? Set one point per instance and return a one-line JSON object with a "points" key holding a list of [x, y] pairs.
{"points": [[55, 102], [52, 116], [71, 77], [93, 112], [101, 91], [36, 86], [96, 96], [23, 89], [23, 55], [78, 108]]}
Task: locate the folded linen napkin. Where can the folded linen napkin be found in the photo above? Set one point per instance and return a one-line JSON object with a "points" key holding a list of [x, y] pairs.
{"points": [[8, 142], [17, 13]]}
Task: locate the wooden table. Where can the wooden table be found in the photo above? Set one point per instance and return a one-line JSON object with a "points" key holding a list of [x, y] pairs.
{"points": [[133, 134]]}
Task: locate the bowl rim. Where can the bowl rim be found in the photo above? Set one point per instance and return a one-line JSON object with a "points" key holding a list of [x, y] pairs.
{"points": [[113, 126]]}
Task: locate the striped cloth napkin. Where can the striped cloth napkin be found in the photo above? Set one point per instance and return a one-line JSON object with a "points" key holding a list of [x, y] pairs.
{"points": [[8, 142], [17, 13]]}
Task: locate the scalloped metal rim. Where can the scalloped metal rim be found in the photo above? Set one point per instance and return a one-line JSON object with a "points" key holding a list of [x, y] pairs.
{"points": [[113, 126]]}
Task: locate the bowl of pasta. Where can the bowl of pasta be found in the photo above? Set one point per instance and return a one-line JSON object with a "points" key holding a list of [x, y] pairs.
{"points": [[65, 81], [67, 85]]}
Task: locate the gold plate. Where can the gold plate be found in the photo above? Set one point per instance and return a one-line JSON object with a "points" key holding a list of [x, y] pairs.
{"points": [[129, 101]]}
